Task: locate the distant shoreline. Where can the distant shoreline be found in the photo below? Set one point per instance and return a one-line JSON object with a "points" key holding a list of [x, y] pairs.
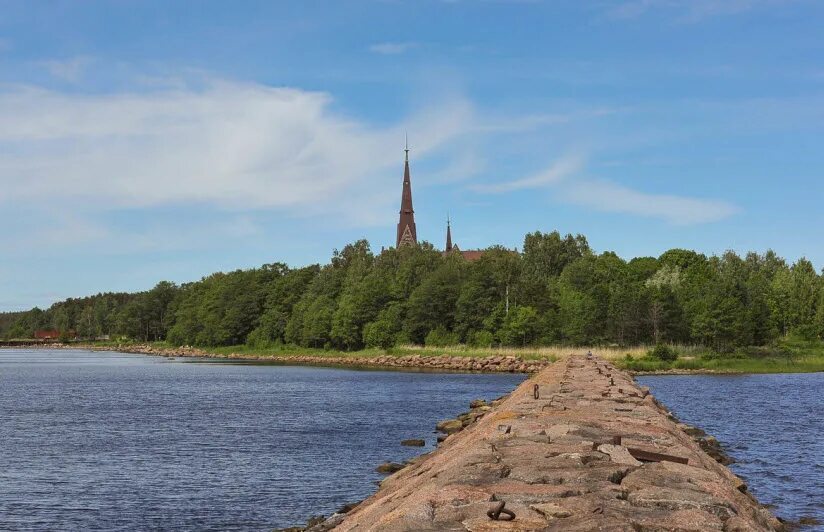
{"points": [[426, 359], [495, 364]]}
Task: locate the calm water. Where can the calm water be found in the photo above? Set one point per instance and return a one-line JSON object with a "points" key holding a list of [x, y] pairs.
{"points": [[772, 424], [114, 441]]}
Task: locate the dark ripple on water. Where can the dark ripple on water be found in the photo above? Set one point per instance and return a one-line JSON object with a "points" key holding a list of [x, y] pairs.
{"points": [[771, 424], [92, 441]]}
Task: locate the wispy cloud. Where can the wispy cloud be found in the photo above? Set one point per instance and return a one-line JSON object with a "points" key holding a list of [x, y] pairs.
{"points": [[563, 177], [224, 145], [5, 45], [70, 70], [392, 48], [564, 167], [678, 210]]}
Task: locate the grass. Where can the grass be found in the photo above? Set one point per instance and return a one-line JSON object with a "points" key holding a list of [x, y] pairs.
{"points": [[289, 350], [788, 356], [807, 364]]}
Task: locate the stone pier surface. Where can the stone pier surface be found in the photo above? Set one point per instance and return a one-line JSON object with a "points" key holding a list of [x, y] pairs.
{"points": [[578, 446]]}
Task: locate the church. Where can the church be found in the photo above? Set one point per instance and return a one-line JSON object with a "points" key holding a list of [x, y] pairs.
{"points": [[407, 234]]}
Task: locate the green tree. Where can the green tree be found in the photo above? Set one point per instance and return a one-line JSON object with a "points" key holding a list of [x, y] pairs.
{"points": [[545, 256], [440, 337], [384, 330], [432, 304], [520, 327], [282, 296]]}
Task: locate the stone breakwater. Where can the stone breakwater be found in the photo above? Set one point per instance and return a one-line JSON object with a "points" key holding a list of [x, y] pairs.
{"points": [[578, 446], [492, 364]]}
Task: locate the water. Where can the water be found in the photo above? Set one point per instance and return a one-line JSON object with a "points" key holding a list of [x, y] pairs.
{"points": [[129, 442], [771, 424]]}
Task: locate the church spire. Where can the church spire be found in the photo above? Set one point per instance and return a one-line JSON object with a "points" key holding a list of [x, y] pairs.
{"points": [[406, 222], [448, 235]]}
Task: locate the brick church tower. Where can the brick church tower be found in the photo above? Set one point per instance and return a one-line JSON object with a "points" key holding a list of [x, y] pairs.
{"points": [[407, 236]]}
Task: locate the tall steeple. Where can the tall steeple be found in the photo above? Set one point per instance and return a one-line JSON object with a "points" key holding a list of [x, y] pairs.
{"points": [[407, 235], [448, 247]]}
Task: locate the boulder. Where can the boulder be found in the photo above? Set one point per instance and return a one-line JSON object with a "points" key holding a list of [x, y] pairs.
{"points": [[315, 520], [695, 432], [618, 454], [389, 467], [413, 443], [712, 447], [449, 426], [346, 508], [549, 509], [328, 524]]}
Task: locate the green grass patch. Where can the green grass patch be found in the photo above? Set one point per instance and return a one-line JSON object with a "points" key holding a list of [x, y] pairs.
{"points": [[800, 364]]}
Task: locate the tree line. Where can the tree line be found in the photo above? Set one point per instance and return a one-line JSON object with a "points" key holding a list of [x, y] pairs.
{"points": [[555, 291]]}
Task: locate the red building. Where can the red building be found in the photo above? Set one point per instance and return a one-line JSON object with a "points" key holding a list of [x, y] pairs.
{"points": [[47, 334], [52, 334]]}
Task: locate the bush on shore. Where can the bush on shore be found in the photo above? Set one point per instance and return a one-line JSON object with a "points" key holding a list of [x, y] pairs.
{"points": [[663, 352], [440, 337]]}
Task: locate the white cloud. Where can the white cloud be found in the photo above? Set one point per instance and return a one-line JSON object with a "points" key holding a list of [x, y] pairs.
{"points": [[70, 70], [392, 48], [678, 210], [229, 145], [612, 197], [564, 167]]}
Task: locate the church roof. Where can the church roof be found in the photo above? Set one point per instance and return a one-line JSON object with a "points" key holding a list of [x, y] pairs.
{"points": [[472, 254]]}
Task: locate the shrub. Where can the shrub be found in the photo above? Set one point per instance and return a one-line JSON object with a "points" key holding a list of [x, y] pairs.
{"points": [[481, 339], [378, 334], [520, 327], [440, 337], [402, 338], [663, 352], [806, 333]]}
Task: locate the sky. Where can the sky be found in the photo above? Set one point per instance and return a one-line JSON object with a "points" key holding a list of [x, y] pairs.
{"points": [[165, 140]]}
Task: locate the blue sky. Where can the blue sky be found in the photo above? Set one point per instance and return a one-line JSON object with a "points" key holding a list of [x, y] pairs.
{"points": [[142, 141]]}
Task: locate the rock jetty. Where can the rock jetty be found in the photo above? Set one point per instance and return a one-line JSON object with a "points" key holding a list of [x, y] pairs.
{"points": [[578, 446], [491, 364]]}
